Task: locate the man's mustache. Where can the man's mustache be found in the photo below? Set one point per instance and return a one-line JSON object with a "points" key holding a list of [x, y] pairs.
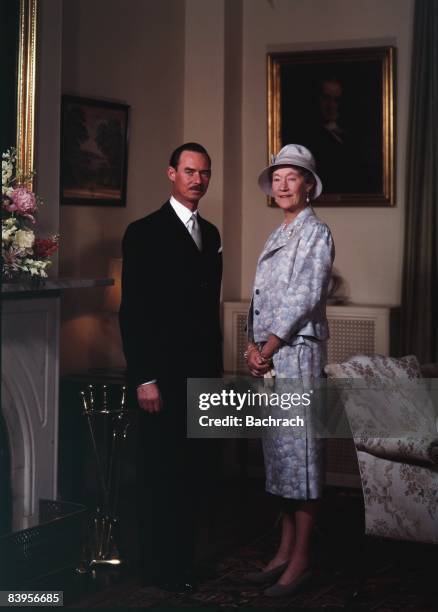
{"points": [[197, 188]]}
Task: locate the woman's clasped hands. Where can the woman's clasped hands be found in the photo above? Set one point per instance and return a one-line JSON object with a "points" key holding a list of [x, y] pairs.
{"points": [[257, 364]]}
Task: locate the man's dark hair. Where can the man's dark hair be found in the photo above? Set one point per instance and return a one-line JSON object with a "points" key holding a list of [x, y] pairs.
{"points": [[188, 146]]}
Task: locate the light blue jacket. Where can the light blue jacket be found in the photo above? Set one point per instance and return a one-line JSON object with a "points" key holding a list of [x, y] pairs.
{"points": [[291, 282]]}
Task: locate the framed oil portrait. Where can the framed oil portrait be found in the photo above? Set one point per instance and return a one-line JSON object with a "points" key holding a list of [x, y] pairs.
{"points": [[94, 152], [340, 105]]}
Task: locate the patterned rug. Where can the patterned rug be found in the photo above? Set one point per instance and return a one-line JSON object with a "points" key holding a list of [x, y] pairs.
{"points": [[397, 576]]}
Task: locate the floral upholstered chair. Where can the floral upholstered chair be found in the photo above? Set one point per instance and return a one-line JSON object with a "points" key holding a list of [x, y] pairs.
{"points": [[393, 420]]}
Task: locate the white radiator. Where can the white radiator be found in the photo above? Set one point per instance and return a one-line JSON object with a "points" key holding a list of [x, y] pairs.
{"points": [[353, 330]]}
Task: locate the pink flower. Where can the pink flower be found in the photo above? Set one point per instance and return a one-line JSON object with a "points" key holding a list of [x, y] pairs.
{"points": [[12, 255], [23, 202]]}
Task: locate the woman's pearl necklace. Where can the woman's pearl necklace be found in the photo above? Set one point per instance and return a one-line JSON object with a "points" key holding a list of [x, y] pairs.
{"points": [[292, 227], [287, 229]]}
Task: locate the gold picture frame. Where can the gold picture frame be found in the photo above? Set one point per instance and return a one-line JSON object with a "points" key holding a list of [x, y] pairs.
{"points": [[340, 104], [94, 152], [26, 89]]}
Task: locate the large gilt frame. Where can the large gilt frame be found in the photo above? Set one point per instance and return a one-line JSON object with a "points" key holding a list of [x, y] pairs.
{"points": [[313, 60], [26, 89]]}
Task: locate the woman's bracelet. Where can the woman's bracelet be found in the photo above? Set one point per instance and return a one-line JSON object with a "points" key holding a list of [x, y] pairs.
{"points": [[250, 349], [254, 347]]}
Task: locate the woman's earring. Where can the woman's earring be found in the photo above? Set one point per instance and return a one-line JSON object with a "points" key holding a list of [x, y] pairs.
{"points": [[307, 197]]}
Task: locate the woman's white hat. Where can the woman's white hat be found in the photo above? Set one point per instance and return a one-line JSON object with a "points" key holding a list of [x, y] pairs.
{"points": [[291, 155]]}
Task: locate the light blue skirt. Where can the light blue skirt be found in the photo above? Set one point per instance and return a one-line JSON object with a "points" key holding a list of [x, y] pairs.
{"points": [[295, 466]]}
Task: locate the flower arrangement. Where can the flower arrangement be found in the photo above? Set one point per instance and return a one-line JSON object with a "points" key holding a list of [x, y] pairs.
{"points": [[23, 254]]}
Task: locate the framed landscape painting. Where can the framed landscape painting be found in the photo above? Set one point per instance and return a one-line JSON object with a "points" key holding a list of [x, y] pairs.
{"points": [[94, 152], [340, 105]]}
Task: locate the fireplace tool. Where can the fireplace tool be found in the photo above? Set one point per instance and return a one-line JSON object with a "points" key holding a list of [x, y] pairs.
{"points": [[114, 425]]}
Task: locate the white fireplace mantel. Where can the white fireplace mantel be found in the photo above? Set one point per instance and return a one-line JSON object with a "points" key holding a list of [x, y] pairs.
{"points": [[30, 382]]}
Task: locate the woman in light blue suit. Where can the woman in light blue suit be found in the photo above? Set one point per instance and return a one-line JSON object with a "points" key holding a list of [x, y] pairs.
{"points": [[287, 331]]}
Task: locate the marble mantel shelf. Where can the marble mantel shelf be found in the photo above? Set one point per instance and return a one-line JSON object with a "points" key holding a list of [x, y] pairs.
{"points": [[53, 284]]}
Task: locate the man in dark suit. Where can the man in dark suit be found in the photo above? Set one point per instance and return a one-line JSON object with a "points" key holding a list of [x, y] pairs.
{"points": [[169, 318]]}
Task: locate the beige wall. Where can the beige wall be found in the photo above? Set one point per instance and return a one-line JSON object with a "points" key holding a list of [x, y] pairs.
{"points": [[204, 98], [213, 116], [48, 91], [369, 242], [133, 52], [232, 177], [196, 70]]}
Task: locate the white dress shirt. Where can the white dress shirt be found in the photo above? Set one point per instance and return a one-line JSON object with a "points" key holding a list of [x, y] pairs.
{"points": [[184, 213]]}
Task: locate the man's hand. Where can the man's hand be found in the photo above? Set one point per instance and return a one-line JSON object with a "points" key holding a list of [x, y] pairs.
{"points": [[149, 397], [257, 365]]}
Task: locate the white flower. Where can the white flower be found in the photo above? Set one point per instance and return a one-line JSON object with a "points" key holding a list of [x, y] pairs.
{"points": [[36, 267], [10, 222], [24, 239], [9, 227], [7, 171], [7, 234]]}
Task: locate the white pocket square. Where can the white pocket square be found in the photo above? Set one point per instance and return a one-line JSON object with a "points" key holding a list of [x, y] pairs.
{"points": [[220, 249]]}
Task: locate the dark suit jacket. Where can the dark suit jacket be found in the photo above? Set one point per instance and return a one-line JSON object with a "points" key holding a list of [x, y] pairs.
{"points": [[169, 315]]}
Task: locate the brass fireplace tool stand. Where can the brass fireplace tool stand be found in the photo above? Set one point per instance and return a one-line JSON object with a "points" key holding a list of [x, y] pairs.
{"points": [[113, 424]]}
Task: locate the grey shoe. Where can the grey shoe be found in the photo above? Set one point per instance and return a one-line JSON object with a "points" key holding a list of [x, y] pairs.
{"points": [[283, 590], [262, 578]]}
